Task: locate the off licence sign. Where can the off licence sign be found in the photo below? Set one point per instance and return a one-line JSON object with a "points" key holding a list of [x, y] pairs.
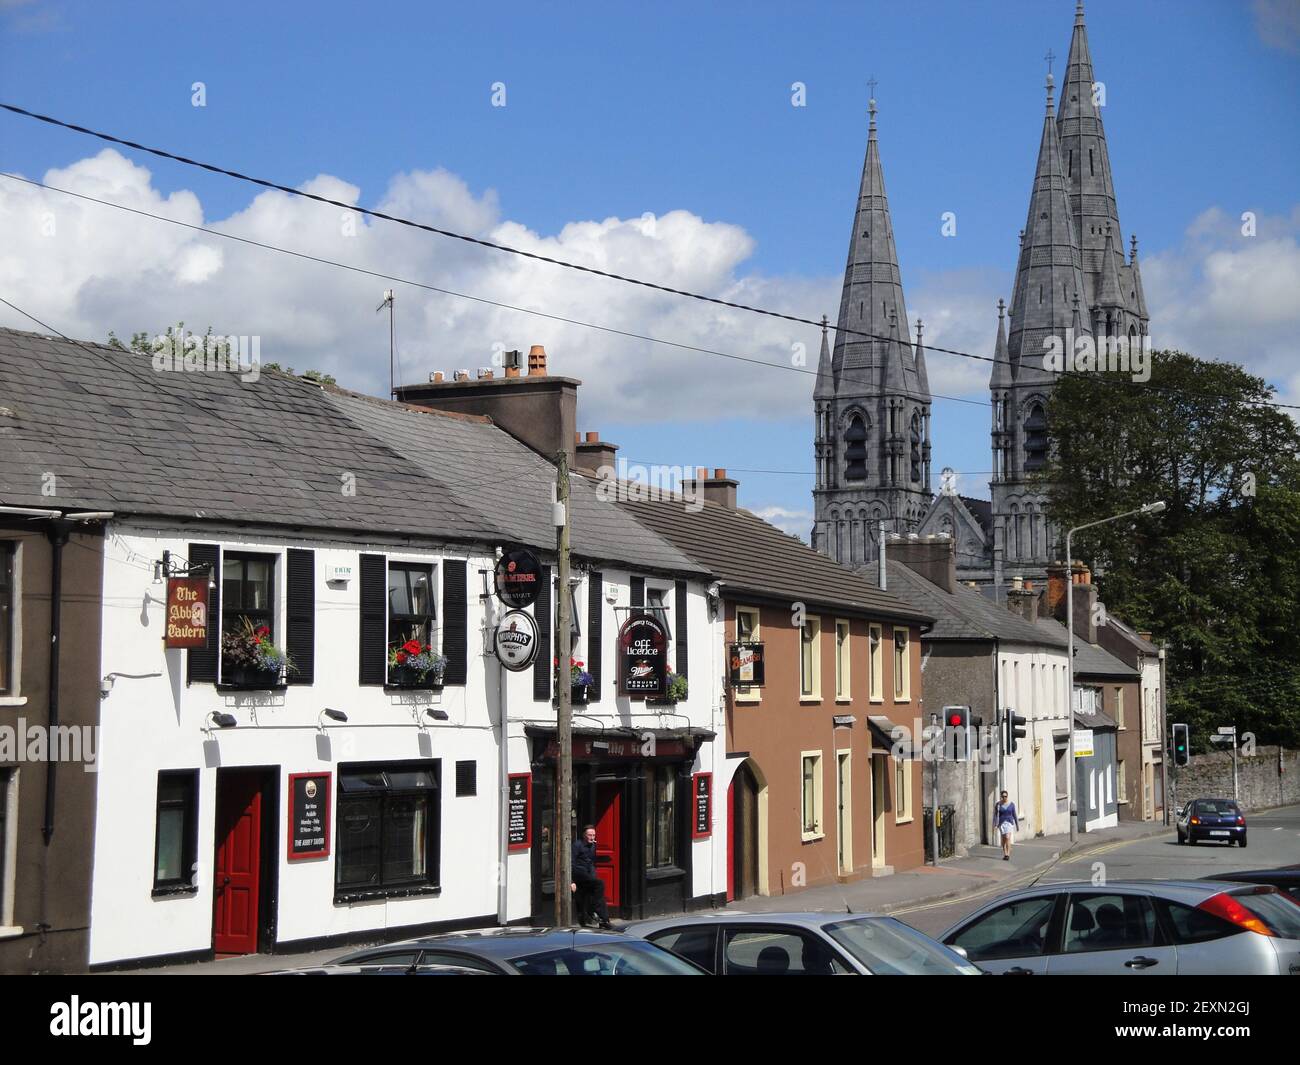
{"points": [[643, 656]]}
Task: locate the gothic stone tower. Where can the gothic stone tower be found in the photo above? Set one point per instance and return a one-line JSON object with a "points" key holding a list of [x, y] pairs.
{"points": [[872, 399], [1071, 276]]}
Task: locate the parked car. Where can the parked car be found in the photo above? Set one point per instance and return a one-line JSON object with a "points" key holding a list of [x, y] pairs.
{"points": [[802, 944], [1286, 879], [1160, 927], [331, 969], [1213, 819], [515, 951]]}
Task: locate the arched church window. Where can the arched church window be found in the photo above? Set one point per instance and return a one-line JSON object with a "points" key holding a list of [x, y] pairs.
{"points": [[855, 451], [1015, 531], [916, 446], [1035, 438]]}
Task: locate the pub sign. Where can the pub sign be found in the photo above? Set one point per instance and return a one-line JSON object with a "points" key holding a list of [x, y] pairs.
{"points": [[187, 612], [746, 665], [518, 579], [642, 656], [309, 815]]}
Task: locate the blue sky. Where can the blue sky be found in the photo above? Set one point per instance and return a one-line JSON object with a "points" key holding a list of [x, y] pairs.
{"points": [[615, 110]]}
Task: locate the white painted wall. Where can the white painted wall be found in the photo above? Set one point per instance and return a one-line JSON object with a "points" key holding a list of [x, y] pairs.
{"points": [[1035, 681], [157, 724]]}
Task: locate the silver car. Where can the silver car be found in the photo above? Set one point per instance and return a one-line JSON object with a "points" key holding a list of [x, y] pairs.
{"points": [[729, 943], [1134, 927]]}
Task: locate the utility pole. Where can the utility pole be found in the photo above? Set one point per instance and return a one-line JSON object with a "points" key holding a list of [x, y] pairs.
{"points": [[564, 702], [935, 747]]}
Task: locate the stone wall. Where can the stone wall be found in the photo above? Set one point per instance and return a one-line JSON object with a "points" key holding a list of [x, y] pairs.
{"points": [[1260, 785]]}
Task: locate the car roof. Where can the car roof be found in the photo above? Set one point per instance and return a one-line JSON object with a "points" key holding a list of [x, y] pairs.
{"points": [[801, 918], [500, 942]]}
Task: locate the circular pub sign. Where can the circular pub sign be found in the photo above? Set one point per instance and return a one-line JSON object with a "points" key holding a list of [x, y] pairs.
{"points": [[515, 642], [518, 579]]}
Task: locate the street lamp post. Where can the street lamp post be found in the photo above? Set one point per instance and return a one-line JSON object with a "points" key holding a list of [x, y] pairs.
{"points": [[1071, 799]]}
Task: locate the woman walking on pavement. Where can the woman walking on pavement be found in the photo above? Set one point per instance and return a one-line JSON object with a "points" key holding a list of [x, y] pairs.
{"points": [[1004, 814]]}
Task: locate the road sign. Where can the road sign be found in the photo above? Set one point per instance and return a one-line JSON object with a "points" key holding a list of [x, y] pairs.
{"points": [[1223, 739], [1227, 730]]}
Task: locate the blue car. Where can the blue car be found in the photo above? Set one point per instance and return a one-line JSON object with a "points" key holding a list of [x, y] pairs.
{"points": [[1217, 820]]}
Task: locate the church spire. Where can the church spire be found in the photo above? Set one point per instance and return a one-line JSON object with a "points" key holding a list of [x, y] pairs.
{"points": [[1002, 376], [825, 387], [1048, 273], [922, 378], [873, 289], [1139, 297]]}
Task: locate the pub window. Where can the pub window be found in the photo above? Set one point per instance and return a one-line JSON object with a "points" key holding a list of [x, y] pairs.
{"points": [[811, 813], [412, 610], [842, 660], [8, 614], [176, 831], [247, 583], [656, 603], [1119, 707], [810, 659], [876, 639], [902, 667], [388, 828], [660, 817], [466, 779]]}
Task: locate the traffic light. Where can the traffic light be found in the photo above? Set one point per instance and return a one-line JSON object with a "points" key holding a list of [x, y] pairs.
{"points": [[1014, 726], [1182, 752], [956, 732]]}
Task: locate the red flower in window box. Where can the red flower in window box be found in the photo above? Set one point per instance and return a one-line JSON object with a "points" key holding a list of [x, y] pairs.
{"points": [[413, 647]]}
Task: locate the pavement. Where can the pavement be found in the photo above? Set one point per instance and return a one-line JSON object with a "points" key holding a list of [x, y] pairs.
{"points": [[980, 873]]}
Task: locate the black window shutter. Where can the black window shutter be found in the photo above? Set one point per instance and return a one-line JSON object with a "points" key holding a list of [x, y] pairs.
{"points": [[201, 662], [595, 615], [455, 607], [466, 779], [679, 620], [638, 591], [300, 612], [542, 666], [373, 643]]}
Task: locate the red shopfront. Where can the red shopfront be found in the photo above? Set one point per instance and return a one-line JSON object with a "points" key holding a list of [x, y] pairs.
{"points": [[635, 787]]}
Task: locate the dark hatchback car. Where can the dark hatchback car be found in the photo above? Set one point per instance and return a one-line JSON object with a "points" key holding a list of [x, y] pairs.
{"points": [[1218, 820], [516, 951]]}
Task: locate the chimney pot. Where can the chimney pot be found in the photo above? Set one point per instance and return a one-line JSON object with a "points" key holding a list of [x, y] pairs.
{"points": [[485, 373], [436, 377], [537, 361], [719, 473], [701, 473], [577, 438], [593, 438], [462, 375]]}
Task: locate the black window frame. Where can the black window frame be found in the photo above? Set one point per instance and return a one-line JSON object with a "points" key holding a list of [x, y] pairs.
{"points": [[189, 804], [378, 886], [8, 618], [429, 620], [466, 785]]}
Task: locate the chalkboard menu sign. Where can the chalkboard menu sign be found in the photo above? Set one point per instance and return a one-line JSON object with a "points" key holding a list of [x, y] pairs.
{"points": [[746, 661], [703, 805], [519, 833], [309, 815], [642, 656]]}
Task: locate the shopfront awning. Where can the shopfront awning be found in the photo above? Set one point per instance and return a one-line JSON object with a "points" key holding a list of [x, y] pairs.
{"points": [[621, 743]]}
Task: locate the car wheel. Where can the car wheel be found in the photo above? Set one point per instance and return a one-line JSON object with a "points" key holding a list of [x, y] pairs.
{"points": [[1181, 840], [1241, 842], [1191, 840]]}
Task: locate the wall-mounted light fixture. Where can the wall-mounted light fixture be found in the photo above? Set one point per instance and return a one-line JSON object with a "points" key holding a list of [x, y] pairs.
{"points": [[222, 719], [335, 715], [436, 714], [106, 682]]}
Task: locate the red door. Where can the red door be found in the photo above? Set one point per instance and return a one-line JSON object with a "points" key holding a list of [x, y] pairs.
{"points": [[609, 808], [238, 866]]}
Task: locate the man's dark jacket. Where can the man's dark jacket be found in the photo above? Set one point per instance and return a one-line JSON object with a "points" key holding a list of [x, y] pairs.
{"points": [[584, 862]]}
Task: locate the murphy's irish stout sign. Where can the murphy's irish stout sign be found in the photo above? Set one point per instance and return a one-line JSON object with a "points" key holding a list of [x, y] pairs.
{"points": [[642, 656], [187, 612]]}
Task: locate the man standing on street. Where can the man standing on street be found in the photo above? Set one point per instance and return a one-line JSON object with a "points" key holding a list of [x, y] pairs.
{"points": [[1007, 821], [588, 889]]}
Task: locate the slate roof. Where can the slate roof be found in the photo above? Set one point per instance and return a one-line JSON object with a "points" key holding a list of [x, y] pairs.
{"points": [[753, 557], [207, 446], [966, 614], [1145, 647]]}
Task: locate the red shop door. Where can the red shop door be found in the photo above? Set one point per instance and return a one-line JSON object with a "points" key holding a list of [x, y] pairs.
{"points": [[609, 809], [239, 860]]}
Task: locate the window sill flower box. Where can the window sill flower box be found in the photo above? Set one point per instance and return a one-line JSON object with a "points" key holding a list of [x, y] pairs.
{"points": [[415, 666], [410, 678], [250, 678]]}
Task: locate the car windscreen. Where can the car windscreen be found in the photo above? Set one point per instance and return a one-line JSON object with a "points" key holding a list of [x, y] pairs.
{"points": [[1215, 809], [1279, 914], [605, 959], [890, 948]]}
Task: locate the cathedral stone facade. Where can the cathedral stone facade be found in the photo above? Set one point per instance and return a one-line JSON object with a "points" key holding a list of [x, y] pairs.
{"points": [[872, 401]]}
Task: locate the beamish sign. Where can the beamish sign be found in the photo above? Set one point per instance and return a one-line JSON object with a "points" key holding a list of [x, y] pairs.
{"points": [[518, 579], [187, 612]]}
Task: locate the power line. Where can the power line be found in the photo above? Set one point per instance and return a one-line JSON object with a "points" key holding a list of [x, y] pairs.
{"points": [[481, 242]]}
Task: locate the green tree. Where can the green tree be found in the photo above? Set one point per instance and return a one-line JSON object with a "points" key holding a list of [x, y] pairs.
{"points": [[1218, 574]]}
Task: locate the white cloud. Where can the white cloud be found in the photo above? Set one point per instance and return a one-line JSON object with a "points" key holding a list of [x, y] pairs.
{"points": [[795, 522], [1223, 294]]}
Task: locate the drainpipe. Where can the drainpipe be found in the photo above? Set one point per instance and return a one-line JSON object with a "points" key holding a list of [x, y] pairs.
{"points": [[57, 532]]}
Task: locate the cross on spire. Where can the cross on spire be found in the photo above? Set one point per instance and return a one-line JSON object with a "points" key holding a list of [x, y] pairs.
{"points": [[872, 83], [1051, 58]]}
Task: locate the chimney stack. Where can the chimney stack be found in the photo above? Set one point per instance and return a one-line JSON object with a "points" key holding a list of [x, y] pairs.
{"points": [[719, 488], [1023, 600], [593, 452], [933, 557], [462, 375]]}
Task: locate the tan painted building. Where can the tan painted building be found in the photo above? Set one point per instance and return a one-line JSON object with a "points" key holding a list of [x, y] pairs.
{"points": [[814, 791]]}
